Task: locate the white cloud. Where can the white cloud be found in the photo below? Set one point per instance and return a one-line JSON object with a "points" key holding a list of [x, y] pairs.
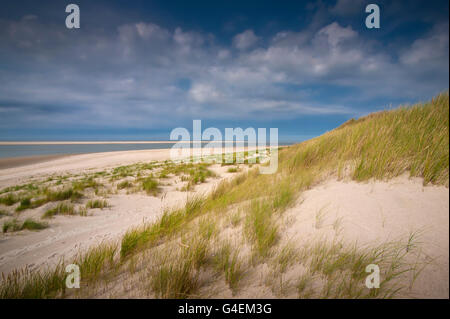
{"points": [[203, 93], [337, 34], [432, 48], [133, 76], [245, 40], [150, 30]]}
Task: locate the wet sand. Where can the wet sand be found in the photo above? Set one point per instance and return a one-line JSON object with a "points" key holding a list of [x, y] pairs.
{"points": [[11, 162], [83, 142]]}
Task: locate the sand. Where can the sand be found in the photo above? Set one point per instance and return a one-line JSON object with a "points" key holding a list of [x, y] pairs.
{"points": [[57, 164], [378, 212], [68, 235], [11, 162], [78, 163]]}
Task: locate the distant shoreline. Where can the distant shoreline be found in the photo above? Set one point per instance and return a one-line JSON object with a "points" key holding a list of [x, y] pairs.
{"points": [[81, 142], [99, 142]]}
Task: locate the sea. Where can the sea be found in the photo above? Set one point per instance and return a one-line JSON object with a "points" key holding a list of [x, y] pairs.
{"points": [[26, 150]]}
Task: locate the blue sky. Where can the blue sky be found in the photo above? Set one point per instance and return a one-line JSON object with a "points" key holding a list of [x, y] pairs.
{"points": [[137, 69]]}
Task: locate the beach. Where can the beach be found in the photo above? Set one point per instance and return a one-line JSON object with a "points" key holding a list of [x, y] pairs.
{"points": [[52, 164], [68, 236], [16, 169]]}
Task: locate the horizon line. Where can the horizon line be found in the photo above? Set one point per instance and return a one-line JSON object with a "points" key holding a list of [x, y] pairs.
{"points": [[110, 142]]}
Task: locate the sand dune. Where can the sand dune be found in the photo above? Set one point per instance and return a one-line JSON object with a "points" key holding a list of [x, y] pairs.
{"points": [[379, 212]]}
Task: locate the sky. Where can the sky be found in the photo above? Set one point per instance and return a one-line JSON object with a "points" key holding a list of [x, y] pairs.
{"points": [[135, 70]]}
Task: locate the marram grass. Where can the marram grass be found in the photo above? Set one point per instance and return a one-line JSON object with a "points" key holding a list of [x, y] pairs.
{"points": [[384, 145]]}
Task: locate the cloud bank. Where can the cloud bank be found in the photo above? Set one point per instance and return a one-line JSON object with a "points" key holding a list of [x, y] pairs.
{"points": [[144, 75]]}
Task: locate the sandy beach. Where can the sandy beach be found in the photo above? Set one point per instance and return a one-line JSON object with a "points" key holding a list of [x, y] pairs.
{"points": [[73, 163], [15, 170], [69, 235]]}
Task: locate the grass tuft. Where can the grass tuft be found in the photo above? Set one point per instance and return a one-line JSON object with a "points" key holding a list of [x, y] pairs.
{"points": [[227, 260], [97, 203], [14, 225], [60, 209], [124, 184], [150, 186]]}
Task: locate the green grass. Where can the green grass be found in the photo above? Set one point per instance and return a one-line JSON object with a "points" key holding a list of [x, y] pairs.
{"points": [[31, 224], [236, 218], [150, 185], [11, 225], [60, 209], [124, 184], [261, 227], [50, 282], [286, 257], [341, 268], [9, 199], [176, 275], [3, 213], [168, 224], [24, 204], [131, 170], [174, 278], [83, 211], [192, 173], [226, 260], [123, 171], [26, 187], [14, 225], [27, 284], [87, 182], [207, 228], [97, 203], [43, 196], [384, 145], [95, 260], [60, 195]]}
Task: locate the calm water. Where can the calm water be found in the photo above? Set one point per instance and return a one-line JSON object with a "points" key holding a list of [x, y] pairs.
{"points": [[46, 149]]}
